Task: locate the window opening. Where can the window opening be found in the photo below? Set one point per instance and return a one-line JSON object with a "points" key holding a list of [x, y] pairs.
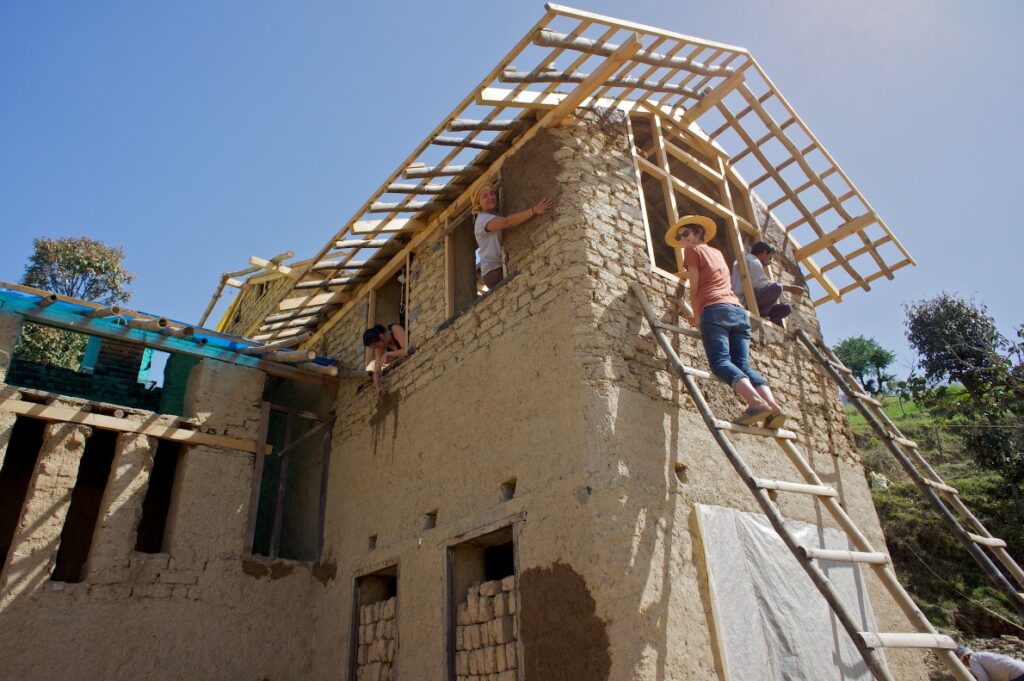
{"points": [[388, 306], [15, 475], [681, 174], [483, 606], [149, 537], [84, 509], [290, 485], [464, 283], [374, 637]]}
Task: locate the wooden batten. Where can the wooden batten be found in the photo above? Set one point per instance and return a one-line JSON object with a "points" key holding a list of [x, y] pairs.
{"points": [[416, 172], [421, 189], [363, 243], [548, 38], [586, 88], [394, 225], [624, 82], [108, 311], [328, 283], [821, 243], [405, 206], [297, 323], [470, 125], [46, 301], [310, 300], [469, 143], [272, 266], [304, 312], [268, 348], [148, 323], [290, 356]]}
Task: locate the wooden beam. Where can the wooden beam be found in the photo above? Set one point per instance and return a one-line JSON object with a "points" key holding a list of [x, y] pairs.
{"points": [[421, 188], [420, 171], [714, 97], [470, 125], [576, 77], [364, 243], [123, 425], [602, 73], [272, 347], [271, 266], [841, 232], [311, 300], [547, 38], [469, 143], [405, 206]]}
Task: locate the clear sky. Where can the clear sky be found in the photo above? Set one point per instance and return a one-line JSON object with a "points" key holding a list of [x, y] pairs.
{"points": [[195, 134]]}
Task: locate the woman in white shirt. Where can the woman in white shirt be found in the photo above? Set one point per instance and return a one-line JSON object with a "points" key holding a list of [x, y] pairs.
{"points": [[488, 226]]}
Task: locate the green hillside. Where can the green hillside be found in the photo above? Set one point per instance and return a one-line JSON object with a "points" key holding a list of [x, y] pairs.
{"points": [[945, 581]]}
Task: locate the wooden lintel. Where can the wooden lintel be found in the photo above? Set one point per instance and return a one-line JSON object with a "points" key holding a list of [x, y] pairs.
{"points": [[71, 415], [841, 232], [602, 73]]}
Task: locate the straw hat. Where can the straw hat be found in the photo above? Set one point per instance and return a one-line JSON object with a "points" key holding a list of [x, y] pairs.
{"points": [[671, 235]]}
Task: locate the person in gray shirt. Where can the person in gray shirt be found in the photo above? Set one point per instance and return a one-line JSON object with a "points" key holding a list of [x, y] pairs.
{"points": [[766, 291], [991, 666], [488, 226]]}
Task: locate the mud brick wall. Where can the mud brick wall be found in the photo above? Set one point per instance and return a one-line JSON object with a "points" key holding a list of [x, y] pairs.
{"points": [[254, 307], [486, 633], [378, 643]]}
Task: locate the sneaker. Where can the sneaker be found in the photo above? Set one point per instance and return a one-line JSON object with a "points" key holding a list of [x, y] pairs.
{"points": [[752, 415], [776, 421]]}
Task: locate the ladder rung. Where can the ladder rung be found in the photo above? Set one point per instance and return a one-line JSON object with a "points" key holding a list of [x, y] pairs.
{"points": [[690, 371], [991, 542], [902, 441], [913, 640], [840, 367], [798, 487], [778, 433], [693, 333], [867, 398], [940, 486], [840, 556]]}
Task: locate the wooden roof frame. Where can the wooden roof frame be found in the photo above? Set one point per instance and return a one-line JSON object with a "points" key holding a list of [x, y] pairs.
{"points": [[576, 59]]}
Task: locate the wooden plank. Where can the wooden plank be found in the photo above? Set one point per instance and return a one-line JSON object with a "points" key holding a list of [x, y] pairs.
{"points": [[830, 238], [105, 328], [388, 226], [272, 266], [715, 96], [311, 300], [123, 425]]}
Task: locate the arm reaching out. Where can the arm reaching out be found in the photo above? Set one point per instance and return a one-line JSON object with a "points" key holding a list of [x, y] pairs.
{"points": [[498, 223]]}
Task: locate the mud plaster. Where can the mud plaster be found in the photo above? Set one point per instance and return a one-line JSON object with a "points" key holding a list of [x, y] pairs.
{"points": [[259, 569], [387, 405], [563, 638]]}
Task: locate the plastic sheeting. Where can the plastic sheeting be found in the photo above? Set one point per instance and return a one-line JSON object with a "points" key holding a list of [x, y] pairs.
{"points": [[772, 623]]}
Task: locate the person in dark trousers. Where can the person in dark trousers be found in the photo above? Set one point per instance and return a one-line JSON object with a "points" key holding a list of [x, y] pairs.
{"points": [[724, 324], [388, 343], [766, 291]]}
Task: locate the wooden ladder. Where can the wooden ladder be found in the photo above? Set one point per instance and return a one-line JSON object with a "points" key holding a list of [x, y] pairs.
{"points": [[928, 481], [868, 643]]}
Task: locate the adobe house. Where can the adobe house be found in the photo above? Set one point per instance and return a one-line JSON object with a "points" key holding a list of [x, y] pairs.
{"points": [[534, 495]]}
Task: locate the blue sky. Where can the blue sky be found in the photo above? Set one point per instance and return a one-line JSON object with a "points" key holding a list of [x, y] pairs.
{"points": [[197, 134]]}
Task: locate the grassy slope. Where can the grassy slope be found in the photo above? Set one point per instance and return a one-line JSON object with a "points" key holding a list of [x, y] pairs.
{"points": [[935, 568]]}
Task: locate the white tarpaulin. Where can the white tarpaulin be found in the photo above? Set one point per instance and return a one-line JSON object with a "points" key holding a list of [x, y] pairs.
{"points": [[772, 623]]}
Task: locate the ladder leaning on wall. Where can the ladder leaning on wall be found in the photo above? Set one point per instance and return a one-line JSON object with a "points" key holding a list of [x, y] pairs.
{"points": [[925, 477], [868, 643]]}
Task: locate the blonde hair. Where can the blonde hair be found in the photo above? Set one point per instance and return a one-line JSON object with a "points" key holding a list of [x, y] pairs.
{"points": [[475, 202]]}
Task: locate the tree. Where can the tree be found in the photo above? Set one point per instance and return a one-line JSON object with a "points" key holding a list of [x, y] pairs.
{"points": [[78, 268], [863, 356], [958, 343]]}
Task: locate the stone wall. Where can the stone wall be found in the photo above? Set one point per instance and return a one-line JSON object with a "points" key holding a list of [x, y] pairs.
{"points": [[486, 632], [378, 645]]}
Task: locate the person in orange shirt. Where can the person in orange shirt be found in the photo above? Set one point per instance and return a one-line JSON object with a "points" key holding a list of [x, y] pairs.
{"points": [[724, 325]]}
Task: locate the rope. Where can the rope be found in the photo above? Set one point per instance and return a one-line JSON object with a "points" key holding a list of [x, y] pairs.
{"points": [[960, 593]]}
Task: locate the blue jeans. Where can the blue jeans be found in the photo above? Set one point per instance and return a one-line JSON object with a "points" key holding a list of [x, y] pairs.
{"points": [[725, 330]]}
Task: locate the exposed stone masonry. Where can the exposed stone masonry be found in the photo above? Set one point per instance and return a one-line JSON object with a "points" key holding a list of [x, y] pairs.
{"points": [[486, 632], [378, 643]]}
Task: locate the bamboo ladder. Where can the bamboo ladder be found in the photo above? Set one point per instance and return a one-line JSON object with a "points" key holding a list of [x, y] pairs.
{"points": [[868, 643], [925, 477]]}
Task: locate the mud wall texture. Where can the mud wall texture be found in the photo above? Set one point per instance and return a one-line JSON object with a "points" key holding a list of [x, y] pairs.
{"points": [[199, 609], [555, 382]]}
